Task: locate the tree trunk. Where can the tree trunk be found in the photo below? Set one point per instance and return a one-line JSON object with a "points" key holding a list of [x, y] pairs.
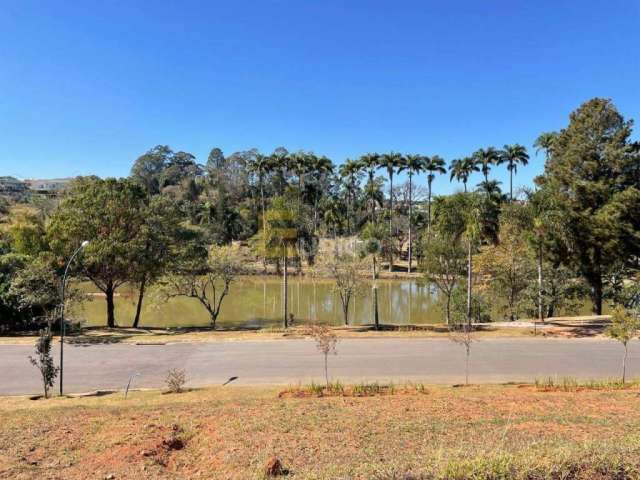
{"points": [[429, 205], [285, 306], [540, 284], [448, 310], [624, 363], [345, 312], [264, 226], [410, 220], [391, 239], [466, 368], [376, 319], [375, 272], [143, 283], [326, 369], [596, 295], [469, 280], [465, 187], [511, 184], [111, 319]]}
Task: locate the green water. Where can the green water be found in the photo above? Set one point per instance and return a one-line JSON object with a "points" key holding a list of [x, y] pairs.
{"points": [[257, 302]]}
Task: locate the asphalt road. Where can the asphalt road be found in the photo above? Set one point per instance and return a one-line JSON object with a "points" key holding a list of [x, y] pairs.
{"points": [[92, 367]]}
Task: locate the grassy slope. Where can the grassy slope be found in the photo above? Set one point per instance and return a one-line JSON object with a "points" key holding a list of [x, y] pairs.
{"points": [[475, 432]]}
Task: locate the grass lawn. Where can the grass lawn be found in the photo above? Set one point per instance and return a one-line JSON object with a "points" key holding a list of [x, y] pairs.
{"points": [[488, 432]]}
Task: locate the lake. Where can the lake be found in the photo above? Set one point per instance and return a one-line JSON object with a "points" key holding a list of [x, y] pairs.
{"points": [[257, 302]]}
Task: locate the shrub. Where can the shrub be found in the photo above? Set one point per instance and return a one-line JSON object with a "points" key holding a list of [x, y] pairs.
{"points": [[44, 361], [175, 380]]}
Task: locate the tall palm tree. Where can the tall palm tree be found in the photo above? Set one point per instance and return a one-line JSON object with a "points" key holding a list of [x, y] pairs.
{"points": [[320, 167], [513, 155], [390, 162], [485, 158], [369, 163], [545, 143], [279, 162], [261, 165], [349, 171], [461, 169], [432, 165], [412, 164]]}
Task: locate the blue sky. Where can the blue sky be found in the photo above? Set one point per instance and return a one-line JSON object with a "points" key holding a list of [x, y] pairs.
{"points": [[86, 87]]}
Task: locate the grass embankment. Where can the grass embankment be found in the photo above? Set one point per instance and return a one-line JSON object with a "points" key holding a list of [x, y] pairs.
{"points": [[564, 328], [489, 432]]}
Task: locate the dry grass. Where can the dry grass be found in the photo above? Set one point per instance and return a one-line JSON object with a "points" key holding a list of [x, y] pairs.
{"points": [[489, 432]]}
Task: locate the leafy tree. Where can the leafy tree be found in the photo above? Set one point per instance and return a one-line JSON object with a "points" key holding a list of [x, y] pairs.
{"points": [[35, 288], [512, 155], [27, 234], [463, 216], [508, 266], [110, 214], [158, 233], [444, 264], [43, 360], [148, 168], [12, 317], [593, 174], [624, 328]]}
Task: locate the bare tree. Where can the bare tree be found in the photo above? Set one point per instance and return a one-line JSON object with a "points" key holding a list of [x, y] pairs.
{"points": [[326, 342], [345, 270], [462, 334], [208, 283]]}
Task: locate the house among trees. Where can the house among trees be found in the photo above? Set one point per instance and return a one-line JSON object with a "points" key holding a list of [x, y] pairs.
{"points": [[12, 187], [49, 187]]}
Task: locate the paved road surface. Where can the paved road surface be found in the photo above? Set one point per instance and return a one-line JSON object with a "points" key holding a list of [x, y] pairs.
{"points": [[92, 367]]}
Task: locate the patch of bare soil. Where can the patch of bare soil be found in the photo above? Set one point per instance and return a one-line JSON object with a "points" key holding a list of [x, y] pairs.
{"points": [[239, 433]]}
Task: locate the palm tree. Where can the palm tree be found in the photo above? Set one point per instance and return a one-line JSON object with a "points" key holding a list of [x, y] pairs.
{"points": [[261, 165], [412, 164], [320, 167], [461, 169], [484, 158], [350, 170], [491, 189], [390, 162], [279, 162], [513, 155], [545, 143], [369, 163], [433, 165]]}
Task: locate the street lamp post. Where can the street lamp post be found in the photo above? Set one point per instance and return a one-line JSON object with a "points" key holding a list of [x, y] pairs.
{"points": [[62, 324]]}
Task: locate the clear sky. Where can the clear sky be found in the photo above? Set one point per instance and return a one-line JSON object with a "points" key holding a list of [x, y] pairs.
{"points": [[86, 87]]}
